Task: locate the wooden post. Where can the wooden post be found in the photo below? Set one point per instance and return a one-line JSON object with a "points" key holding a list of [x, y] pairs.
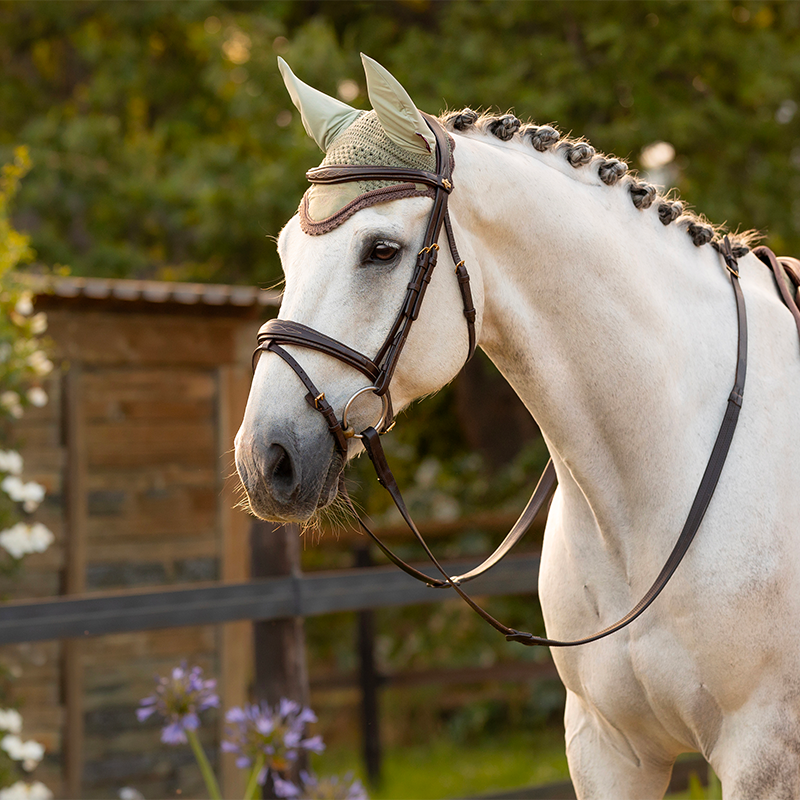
{"points": [[235, 638], [369, 680], [76, 511], [281, 669]]}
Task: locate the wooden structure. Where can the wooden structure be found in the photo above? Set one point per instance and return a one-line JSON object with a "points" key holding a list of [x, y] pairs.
{"points": [[134, 449]]}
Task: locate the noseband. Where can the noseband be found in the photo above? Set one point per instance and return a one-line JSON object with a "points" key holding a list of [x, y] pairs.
{"points": [[380, 369]]}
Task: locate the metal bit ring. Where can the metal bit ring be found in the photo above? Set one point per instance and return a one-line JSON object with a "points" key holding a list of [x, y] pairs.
{"points": [[350, 432]]}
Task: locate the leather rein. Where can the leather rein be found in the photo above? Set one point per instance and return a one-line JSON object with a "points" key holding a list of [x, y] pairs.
{"points": [[380, 369]]}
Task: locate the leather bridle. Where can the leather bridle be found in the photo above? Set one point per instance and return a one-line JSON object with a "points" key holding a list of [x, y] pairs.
{"points": [[380, 369]]}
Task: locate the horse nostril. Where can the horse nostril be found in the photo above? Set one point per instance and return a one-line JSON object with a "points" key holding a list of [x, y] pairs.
{"points": [[283, 475], [282, 471]]}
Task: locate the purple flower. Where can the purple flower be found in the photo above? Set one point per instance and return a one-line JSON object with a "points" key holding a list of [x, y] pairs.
{"points": [[285, 788], [178, 700], [314, 788], [276, 733]]}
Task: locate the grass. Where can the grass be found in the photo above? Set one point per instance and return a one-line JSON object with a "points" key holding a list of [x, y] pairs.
{"points": [[446, 769]]}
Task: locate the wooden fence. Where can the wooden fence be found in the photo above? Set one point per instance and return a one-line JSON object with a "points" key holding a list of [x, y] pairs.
{"points": [[299, 596]]}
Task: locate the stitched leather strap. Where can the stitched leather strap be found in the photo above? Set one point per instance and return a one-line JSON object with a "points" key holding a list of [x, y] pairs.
{"points": [[347, 173], [284, 331], [784, 272], [314, 398]]}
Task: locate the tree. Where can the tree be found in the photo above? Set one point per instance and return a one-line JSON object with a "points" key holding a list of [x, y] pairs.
{"points": [[165, 145]]}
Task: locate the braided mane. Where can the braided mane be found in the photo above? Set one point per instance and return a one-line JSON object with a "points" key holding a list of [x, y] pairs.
{"points": [[580, 153]]}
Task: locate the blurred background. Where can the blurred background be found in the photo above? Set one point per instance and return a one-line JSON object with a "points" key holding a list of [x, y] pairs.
{"points": [[164, 149]]}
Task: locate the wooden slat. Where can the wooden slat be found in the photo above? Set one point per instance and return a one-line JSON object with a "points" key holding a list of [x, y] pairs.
{"points": [[143, 339], [236, 657], [516, 671], [271, 598], [76, 516]]}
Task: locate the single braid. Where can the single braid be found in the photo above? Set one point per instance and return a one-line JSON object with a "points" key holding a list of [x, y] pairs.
{"points": [[579, 154], [504, 127], [611, 170], [461, 120], [642, 194], [542, 137], [700, 232], [669, 211], [739, 248]]}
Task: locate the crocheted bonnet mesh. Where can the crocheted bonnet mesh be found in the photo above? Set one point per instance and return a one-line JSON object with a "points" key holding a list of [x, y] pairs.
{"points": [[364, 143]]}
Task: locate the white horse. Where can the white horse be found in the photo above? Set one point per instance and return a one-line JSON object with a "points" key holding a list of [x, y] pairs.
{"points": [[619, 332]]}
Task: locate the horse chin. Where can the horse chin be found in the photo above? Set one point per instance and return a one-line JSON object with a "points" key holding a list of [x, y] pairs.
{"points": [[330, 487]]}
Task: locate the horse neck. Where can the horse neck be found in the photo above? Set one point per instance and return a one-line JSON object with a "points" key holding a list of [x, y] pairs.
{"points": [[616, 332]]}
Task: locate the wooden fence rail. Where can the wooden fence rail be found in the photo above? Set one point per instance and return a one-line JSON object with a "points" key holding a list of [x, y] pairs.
{"points": [[101, 613]]}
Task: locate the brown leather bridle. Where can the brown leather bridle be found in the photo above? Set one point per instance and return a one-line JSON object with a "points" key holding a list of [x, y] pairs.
{"points": [[380, 369]]}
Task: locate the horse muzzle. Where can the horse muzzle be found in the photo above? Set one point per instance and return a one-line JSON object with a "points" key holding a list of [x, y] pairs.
{"points": [[287, 480]]}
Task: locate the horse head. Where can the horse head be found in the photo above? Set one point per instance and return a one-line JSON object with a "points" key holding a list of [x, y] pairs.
{"points": [[348, 256]]}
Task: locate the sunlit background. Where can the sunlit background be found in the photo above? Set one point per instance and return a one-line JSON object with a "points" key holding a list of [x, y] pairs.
{"points": [[164, 147]]}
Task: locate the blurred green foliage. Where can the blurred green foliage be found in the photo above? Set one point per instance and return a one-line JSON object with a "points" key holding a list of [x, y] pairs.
{"points": [[24, 364], [165, 145]]}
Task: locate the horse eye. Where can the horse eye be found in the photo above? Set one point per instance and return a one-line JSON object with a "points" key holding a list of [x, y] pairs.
{"points": [[383, 251]]}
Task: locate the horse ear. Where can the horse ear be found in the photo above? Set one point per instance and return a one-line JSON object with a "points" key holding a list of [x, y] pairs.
{"points": [[324, 118], [401, 120]]}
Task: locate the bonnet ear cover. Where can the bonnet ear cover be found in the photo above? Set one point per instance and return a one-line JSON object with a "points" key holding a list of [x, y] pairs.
{"points": [[393, 134], [324, 118], [400, 118]]}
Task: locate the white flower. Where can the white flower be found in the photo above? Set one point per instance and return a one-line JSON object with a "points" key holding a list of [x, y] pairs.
{"points": [[15, 540], [18, 791], [26, 791], [12, 486], [37, 396], [21, 539], [29, 494], [10, 462], [40, 363], [24, 305], [38, 323], [10, 720], [41, 537], [30, 752], [39, 791]]}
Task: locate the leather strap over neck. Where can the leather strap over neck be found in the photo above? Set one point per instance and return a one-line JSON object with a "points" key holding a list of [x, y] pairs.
{"points": [[694, 518]]}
